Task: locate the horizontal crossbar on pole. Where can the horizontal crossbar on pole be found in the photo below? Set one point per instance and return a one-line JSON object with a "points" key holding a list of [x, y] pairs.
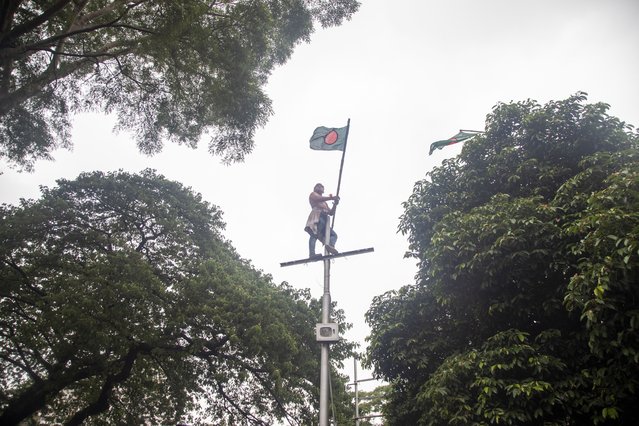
{"points": [[330, 256], [362, 380]]}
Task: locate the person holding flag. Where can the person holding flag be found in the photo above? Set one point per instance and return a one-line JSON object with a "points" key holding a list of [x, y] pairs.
{"points": [[325, 139], [318, 220]]}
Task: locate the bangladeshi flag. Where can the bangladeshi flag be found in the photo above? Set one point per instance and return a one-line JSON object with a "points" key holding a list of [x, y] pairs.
{"points": [[459, 137], [329, 138]]}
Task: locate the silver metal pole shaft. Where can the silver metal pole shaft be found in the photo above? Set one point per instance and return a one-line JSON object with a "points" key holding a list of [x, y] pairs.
{"points": [[326, 316], [356, 394]]}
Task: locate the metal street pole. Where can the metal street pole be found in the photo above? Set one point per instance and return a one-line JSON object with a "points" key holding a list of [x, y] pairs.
{"points": [[356, 394], [326, 316]]}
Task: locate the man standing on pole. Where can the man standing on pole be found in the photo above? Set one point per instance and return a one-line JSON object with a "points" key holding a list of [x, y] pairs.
{"points": [[318, 220]]}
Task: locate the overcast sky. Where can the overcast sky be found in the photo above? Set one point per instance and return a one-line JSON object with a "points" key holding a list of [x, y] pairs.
{"points": [[407, 73]]}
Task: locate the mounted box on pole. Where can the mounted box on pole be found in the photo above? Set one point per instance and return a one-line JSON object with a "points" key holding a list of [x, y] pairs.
{"points": [[327, 332]]}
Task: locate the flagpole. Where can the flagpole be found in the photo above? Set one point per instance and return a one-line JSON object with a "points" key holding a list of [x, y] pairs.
{"points": [[341, 167], [326, 305]]}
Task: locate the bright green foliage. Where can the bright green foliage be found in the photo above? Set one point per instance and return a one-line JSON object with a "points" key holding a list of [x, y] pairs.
{"points": [[509, 380], [169, 69], [526, 305], [371, 403], [121, 302]]}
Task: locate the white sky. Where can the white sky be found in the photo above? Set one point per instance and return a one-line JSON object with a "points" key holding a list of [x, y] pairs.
{"points": [[407, 73]]}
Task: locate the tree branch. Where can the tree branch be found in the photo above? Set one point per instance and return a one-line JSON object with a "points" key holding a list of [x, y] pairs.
{"points": [[130, 4], [256, 373], [7, 12], [269, 389], [11, 100], [25, 277], [55, 59], [47, 43], [22, 367], [34, 397], [21, 95], [101, 404], [246, 414], [26, 367], [26, 27]]}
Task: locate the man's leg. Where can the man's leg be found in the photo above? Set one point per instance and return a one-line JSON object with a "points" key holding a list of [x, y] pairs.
{"points": [[311, 245], [331, 246], [333, 238], [321, 228]]}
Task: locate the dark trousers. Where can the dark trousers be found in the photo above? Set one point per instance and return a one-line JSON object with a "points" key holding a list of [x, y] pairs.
{"points": [[321, 232]]}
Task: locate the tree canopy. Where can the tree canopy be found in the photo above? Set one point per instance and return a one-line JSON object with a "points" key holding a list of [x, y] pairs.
{"points": [[526, 304], [121, 302], [170, 70]]}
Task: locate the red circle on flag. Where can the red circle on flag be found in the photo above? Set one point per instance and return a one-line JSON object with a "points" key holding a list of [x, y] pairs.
{"points": [[331, 137]]}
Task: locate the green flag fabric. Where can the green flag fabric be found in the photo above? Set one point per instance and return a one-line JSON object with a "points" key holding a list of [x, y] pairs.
{"points": [[459, 137], [329, 138]]}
